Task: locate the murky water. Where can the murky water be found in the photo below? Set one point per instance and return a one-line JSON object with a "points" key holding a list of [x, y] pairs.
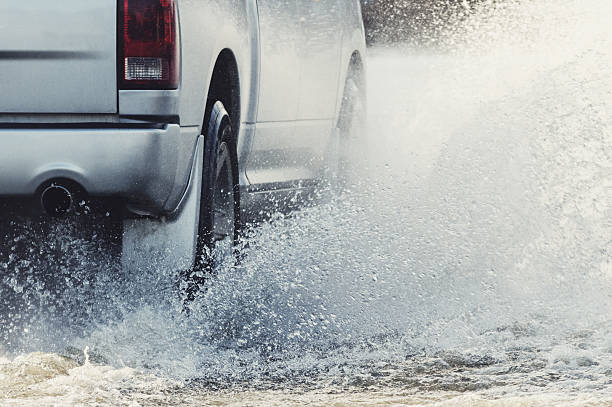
{"points": [[469, 265]]}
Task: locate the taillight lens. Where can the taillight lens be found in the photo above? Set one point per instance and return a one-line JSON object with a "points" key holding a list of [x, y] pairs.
{"points": [[149, 54]]}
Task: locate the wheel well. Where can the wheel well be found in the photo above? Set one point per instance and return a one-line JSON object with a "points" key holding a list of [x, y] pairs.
{"points": [[225, 87]]}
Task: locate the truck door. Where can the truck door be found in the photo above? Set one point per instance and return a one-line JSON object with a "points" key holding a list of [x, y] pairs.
{"points": [[319, 53], [279, 77], [272, 155]]}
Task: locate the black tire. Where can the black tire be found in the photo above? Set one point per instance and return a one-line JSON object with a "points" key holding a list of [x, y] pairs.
{"points": [[219, 217]]}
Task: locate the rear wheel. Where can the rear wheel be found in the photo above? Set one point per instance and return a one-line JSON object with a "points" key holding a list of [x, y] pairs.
{"points": [[219, 202]]}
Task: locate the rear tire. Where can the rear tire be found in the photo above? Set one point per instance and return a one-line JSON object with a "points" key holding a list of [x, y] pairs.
{"points": [[219, 214]]}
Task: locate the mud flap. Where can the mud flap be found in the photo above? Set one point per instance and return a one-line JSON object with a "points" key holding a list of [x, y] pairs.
{"points": [[168, 243]]}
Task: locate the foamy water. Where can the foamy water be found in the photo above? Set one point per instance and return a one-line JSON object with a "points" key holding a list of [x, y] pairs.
{"points": [[469, 265]]}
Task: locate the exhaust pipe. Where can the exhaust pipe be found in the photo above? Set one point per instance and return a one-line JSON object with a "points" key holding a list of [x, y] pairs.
{"points": [[57, 200]]}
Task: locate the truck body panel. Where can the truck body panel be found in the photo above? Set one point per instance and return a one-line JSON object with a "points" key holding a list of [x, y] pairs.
{"points": [[58, 57]]}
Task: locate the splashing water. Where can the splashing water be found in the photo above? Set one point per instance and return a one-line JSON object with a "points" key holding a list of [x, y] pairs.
{"points": [[470, 263]]}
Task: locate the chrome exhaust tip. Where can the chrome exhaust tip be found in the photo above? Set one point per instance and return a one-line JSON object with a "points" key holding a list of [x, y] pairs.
{"points": [[57, 200]]}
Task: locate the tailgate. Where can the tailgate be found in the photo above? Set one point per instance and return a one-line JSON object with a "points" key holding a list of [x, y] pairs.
{"points": [[58, 56]]}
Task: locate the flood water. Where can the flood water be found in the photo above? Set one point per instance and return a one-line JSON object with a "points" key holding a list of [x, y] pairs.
{"points": [[468, 265]]}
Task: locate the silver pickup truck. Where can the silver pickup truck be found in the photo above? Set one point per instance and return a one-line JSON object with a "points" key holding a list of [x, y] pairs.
{"points": [[186, 111]]}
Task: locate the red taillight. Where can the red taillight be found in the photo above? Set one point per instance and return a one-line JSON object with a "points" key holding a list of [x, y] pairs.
{"points": [[149, 56]]}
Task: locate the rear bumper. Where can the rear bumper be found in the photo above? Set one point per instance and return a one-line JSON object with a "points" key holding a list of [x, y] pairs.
{"points": [[149, 168]]}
